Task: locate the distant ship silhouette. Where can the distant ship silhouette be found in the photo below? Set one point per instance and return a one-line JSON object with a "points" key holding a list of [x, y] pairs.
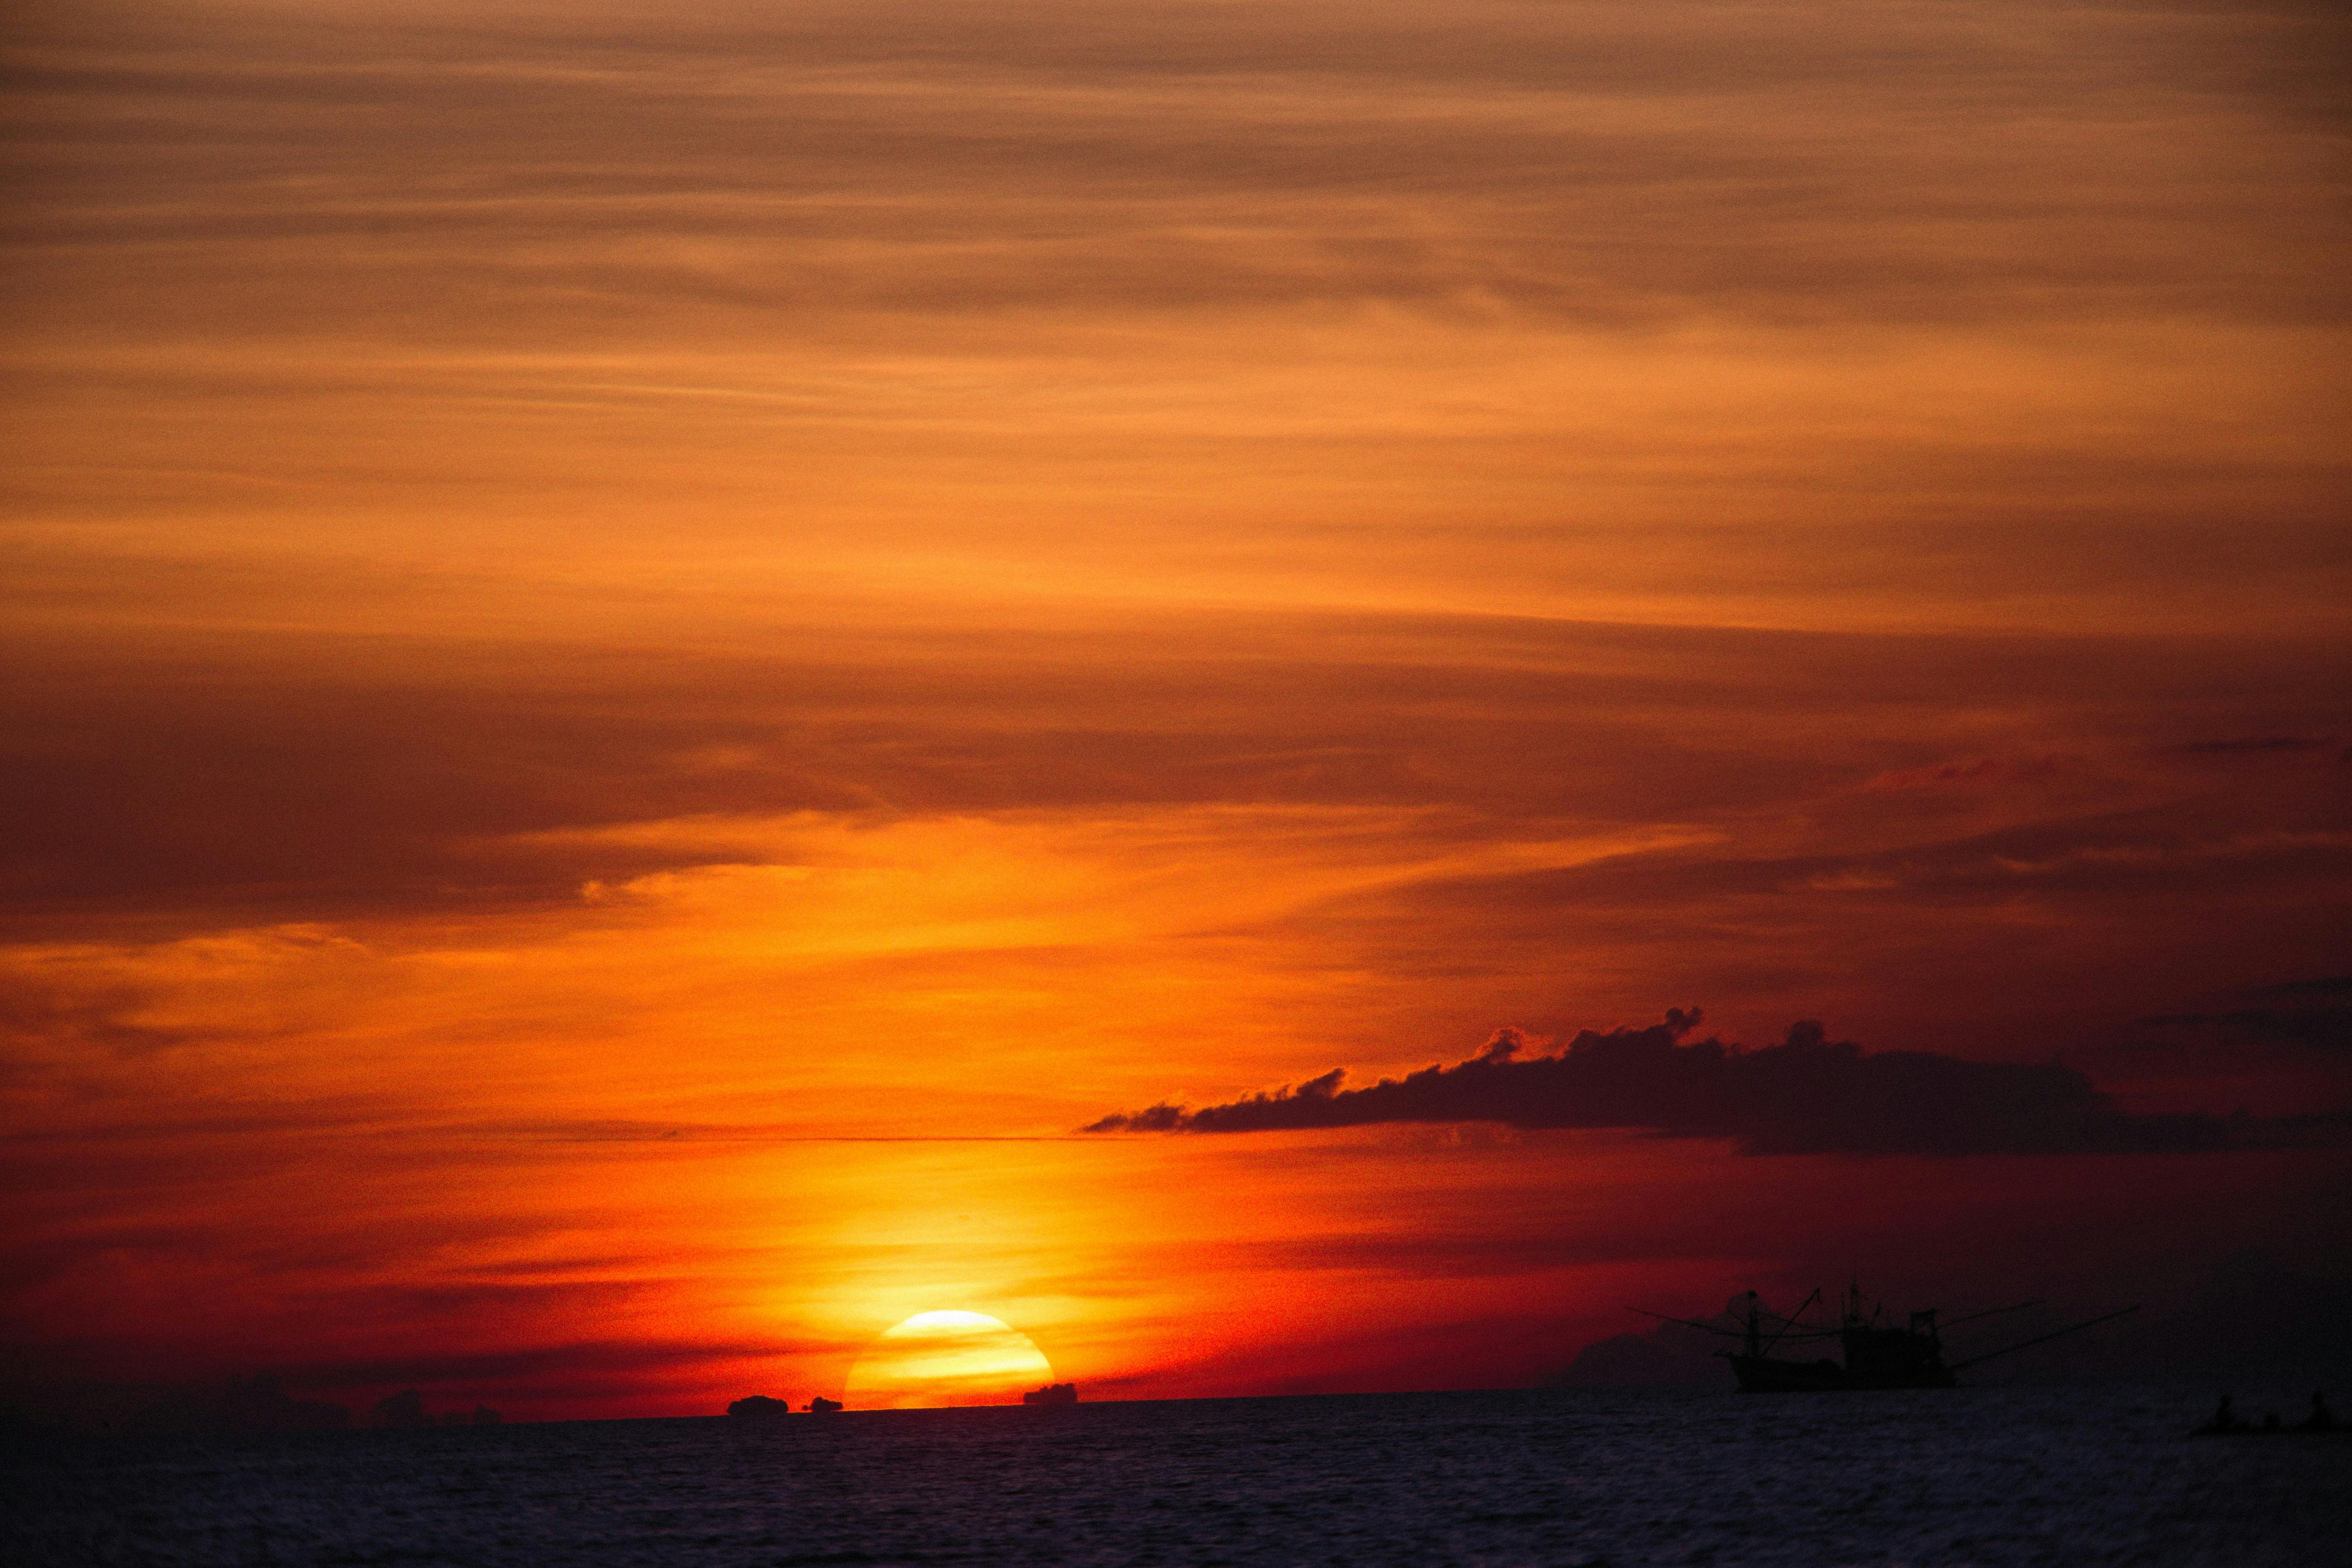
{"points": [[1052, 1393], [1878, 1353]]}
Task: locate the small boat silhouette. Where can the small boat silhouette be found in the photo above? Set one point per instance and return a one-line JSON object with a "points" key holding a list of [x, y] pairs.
{"points": [[2227, 1424]]}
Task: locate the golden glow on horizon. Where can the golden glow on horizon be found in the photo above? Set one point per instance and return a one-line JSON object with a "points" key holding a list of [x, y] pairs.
{"points": [[945, 1358]]}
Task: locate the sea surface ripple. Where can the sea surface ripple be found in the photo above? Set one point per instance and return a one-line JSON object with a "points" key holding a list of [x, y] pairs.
{"points": [[1568, 1477]]}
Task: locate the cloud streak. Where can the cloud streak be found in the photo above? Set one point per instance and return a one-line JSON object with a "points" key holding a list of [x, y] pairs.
{"points": [[1806, 1095]]}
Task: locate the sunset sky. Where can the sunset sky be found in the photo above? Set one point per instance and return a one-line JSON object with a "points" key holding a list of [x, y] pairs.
{"points": [[650, 649]]}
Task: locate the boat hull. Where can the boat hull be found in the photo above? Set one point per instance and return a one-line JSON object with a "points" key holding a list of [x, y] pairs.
{"points": [[1762, 1374]]}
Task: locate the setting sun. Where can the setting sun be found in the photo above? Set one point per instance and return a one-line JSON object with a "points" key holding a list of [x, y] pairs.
{"points": [[947, 1358]]}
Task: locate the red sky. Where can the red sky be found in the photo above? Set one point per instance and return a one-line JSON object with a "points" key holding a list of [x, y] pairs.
{"points": [[649, 649]]}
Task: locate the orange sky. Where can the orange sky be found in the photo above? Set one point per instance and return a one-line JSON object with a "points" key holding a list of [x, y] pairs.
{"points": [[648, 649]]}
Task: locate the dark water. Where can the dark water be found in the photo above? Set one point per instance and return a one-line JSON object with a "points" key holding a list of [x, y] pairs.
{"points": [[1582, 1477]]}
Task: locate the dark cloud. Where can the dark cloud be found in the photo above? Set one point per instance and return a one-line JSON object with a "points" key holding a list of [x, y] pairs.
{"points": [[2313, 1013], [2326, 986], [2328, 1028], [1806, 1095]]}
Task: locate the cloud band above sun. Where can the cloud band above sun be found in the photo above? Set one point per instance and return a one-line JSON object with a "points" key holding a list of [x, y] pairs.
{"points": [[1805, 1096]]}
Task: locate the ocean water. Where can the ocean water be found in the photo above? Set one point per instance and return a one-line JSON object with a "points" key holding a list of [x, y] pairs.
{"points": [[1569, 1477]]}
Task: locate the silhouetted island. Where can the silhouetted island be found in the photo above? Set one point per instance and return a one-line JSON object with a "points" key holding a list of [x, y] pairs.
{"points": [[254, 1403], [821, 1405], [406, 1410], [760, 1405], [1052, 1393]]}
